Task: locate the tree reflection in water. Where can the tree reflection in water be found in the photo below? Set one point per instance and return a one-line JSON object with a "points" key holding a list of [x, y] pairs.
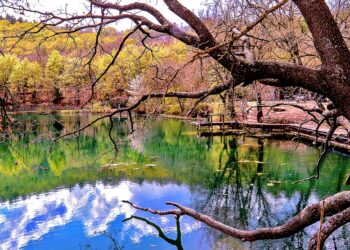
{"points": [[231, 200], [243, 182], [177, 242]]}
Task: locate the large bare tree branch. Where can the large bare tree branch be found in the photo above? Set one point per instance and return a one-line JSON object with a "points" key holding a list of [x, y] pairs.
{"points": [[332, 224], [133, 6], [283, 75], [244, 70], [337, 205], [205, 37], [328, 40]]}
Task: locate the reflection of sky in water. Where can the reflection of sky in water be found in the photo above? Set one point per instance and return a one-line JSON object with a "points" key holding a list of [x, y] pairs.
{"points": [[68, 217], [79, 217]]}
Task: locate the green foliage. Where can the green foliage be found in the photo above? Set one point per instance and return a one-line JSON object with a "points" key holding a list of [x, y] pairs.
{"points": [[26, 74], [173, 109], [74, 73], [61, 65], [54, 68], [7, 64]]}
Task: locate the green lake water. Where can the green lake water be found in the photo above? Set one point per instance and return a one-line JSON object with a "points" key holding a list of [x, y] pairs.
{"points": [[59, 196]]}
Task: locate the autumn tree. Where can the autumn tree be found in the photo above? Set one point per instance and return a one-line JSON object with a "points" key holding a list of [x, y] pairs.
{"points": [[54, 70], [25, 76], [7, 65]]}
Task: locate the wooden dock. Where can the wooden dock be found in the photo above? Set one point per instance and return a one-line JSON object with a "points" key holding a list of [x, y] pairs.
{"points": [[209, 127]]}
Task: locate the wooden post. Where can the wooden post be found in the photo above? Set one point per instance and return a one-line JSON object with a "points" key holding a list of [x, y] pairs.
{"points": [[223, 122], [198, 126], [131, 122]]}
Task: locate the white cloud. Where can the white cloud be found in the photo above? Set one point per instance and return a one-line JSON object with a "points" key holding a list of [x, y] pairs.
{"points": [[41, 213], [95, 206]]}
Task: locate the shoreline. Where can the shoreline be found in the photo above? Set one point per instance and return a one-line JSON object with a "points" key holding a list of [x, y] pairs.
{"points": [[275, 131], [258, 130]]}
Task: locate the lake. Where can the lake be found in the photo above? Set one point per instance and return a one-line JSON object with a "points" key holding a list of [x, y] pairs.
{"points": [[62, 195]]}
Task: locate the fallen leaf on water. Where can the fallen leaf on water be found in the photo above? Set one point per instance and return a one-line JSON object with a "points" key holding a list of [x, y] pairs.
{"points": [[275, 182], [154, 157], [114, 165], [150, 165]]}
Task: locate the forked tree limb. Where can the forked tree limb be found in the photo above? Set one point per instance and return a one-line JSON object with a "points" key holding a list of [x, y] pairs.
{"points": [[176, 242], [336, 205], [243, 70], [177, 212], [310, 111], [325, 149], [105, 71], [333, 118], [332, 224], [249, 27], [328, 39], [331, 79]]}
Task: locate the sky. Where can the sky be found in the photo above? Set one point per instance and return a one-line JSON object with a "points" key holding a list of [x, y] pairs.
{"points": [[78, 6]]}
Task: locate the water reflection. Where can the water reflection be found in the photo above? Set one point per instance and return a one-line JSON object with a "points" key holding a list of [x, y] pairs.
{"points": [[241, 198], [175, 242], [65, 200], [31, 218], [33, 221]]}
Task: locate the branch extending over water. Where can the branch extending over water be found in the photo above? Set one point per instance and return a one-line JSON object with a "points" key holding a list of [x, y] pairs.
{"points": [[186, 95], [337, 206]]}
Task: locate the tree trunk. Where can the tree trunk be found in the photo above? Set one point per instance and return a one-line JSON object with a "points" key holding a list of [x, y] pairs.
{"points": [[231, 102], [259, 111]]}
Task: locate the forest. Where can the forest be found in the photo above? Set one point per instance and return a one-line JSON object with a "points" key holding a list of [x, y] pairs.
{"points": [[43, 69], [45, 76]]}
